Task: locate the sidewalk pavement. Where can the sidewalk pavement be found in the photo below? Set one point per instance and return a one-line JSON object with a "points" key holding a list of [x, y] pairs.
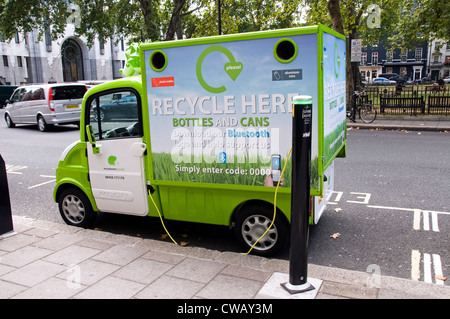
{"points": [[46, 260], [408, 123]]}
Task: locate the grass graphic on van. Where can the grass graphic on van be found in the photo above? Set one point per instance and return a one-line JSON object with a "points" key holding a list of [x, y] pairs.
{"points": [[250, 174]]}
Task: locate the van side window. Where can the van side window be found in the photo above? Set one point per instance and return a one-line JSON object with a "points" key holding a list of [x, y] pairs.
{"points": [[26, 96], [38, 94], [16, 95], [115, 114]]}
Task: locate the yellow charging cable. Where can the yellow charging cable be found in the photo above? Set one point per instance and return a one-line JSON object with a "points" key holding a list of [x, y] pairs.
{"points": [[160, 217], [274, 208], [274, 204]]}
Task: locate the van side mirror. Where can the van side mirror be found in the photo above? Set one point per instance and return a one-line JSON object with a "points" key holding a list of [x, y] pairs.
{"points": [[91, 138]]}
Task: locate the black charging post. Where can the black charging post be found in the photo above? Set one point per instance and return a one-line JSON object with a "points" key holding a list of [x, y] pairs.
{"points": [[6, 223], [300, 195]]}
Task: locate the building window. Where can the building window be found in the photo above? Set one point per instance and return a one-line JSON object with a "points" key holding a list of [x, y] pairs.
{"points": [[403, 71], [19, 62], [374, 58], [404, 56], [418, 54], [5, 60], [389, 70], [363, 58], [102, 47], [16, 37], [48, 39], [436, 58]]}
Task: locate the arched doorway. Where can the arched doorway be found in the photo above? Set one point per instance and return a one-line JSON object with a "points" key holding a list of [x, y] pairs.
{"points": [[72, 61]]}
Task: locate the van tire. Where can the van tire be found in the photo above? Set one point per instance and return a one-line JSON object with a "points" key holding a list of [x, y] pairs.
{"points": [[42, 125], [75, 208], [9, 122], [252, 221]]}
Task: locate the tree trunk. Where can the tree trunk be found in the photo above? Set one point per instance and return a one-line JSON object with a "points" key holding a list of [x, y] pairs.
{"points": [[147, 12], [335, 15], [336, 20], [175, 20]]}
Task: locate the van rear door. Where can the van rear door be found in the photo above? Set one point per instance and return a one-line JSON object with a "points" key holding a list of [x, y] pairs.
{"points": [[65, 102]]}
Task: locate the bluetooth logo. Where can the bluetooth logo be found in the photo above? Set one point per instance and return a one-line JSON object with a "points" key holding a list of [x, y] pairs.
{"points": [[222, 157]]}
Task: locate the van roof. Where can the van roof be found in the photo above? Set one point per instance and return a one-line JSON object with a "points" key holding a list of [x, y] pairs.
{"points": [[50, 85], [130, 81]]}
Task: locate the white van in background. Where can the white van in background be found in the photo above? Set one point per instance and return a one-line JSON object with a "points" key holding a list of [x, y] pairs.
{"points": [[45, 105]]}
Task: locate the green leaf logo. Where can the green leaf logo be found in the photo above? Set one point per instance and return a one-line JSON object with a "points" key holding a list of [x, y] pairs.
{"points": [[112, 160]]}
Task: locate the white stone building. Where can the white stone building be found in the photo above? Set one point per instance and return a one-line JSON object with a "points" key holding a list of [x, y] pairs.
{"points": [[439, 59], [27, 60]]}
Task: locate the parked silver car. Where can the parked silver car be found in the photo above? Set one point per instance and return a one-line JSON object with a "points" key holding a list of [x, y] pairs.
{"points": [[45, 105]]}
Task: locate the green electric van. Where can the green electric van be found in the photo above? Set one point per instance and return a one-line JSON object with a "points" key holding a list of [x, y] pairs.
{"points": [[204, 134]]}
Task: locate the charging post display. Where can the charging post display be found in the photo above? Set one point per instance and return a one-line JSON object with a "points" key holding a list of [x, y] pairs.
{"points": [[300, 195]]}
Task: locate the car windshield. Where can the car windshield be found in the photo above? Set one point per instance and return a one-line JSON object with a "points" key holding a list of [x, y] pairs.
{"points": [[68, 92]]}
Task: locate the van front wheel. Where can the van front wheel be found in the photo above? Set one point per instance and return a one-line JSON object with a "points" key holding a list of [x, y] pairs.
{"points": [[252, 222], [9, 122], [75, 208]]}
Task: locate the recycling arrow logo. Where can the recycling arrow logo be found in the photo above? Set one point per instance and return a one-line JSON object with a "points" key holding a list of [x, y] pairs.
{"points": [[232, 68], [337, 60]]}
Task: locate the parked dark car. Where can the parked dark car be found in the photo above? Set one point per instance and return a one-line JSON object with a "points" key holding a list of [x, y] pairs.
{"points": [[393, 77], [5, 94], [383, 81], [123, 108]]}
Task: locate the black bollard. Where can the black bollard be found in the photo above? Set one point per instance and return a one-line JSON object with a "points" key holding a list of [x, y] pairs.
{"points": [[300, 195], [6, 223]]}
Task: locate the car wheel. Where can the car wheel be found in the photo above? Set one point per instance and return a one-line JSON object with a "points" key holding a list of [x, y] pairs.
{"points": [[9, 122], [252, 222], [42, 125], [75, 208]]}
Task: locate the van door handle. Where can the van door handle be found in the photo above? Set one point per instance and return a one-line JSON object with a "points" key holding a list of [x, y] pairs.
{"points": [[138, 148]]}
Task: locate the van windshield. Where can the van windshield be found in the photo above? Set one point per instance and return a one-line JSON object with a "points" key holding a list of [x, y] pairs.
{"points": [[68, 92]]}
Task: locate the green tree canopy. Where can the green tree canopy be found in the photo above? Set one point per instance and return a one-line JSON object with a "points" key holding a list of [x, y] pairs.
{"points": [[144, 20]]}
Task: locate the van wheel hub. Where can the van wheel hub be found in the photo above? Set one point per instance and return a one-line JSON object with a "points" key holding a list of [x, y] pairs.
{"points": [[73, 209], [254, 227]]}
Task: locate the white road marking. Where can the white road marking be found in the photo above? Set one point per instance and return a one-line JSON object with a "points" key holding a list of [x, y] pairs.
{"points": [[416, 219], [434, 220], [427, 268], [365, 198], [431, 265], [53, 179], [415, 265], [438, 269], [13, 169], [418, 213]]}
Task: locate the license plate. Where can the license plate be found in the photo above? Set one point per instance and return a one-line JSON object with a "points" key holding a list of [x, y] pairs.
{"points": [[75, 106]]}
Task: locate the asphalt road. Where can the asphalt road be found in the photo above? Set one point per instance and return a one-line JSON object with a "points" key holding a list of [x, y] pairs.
{"points": [[390, 207]]}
